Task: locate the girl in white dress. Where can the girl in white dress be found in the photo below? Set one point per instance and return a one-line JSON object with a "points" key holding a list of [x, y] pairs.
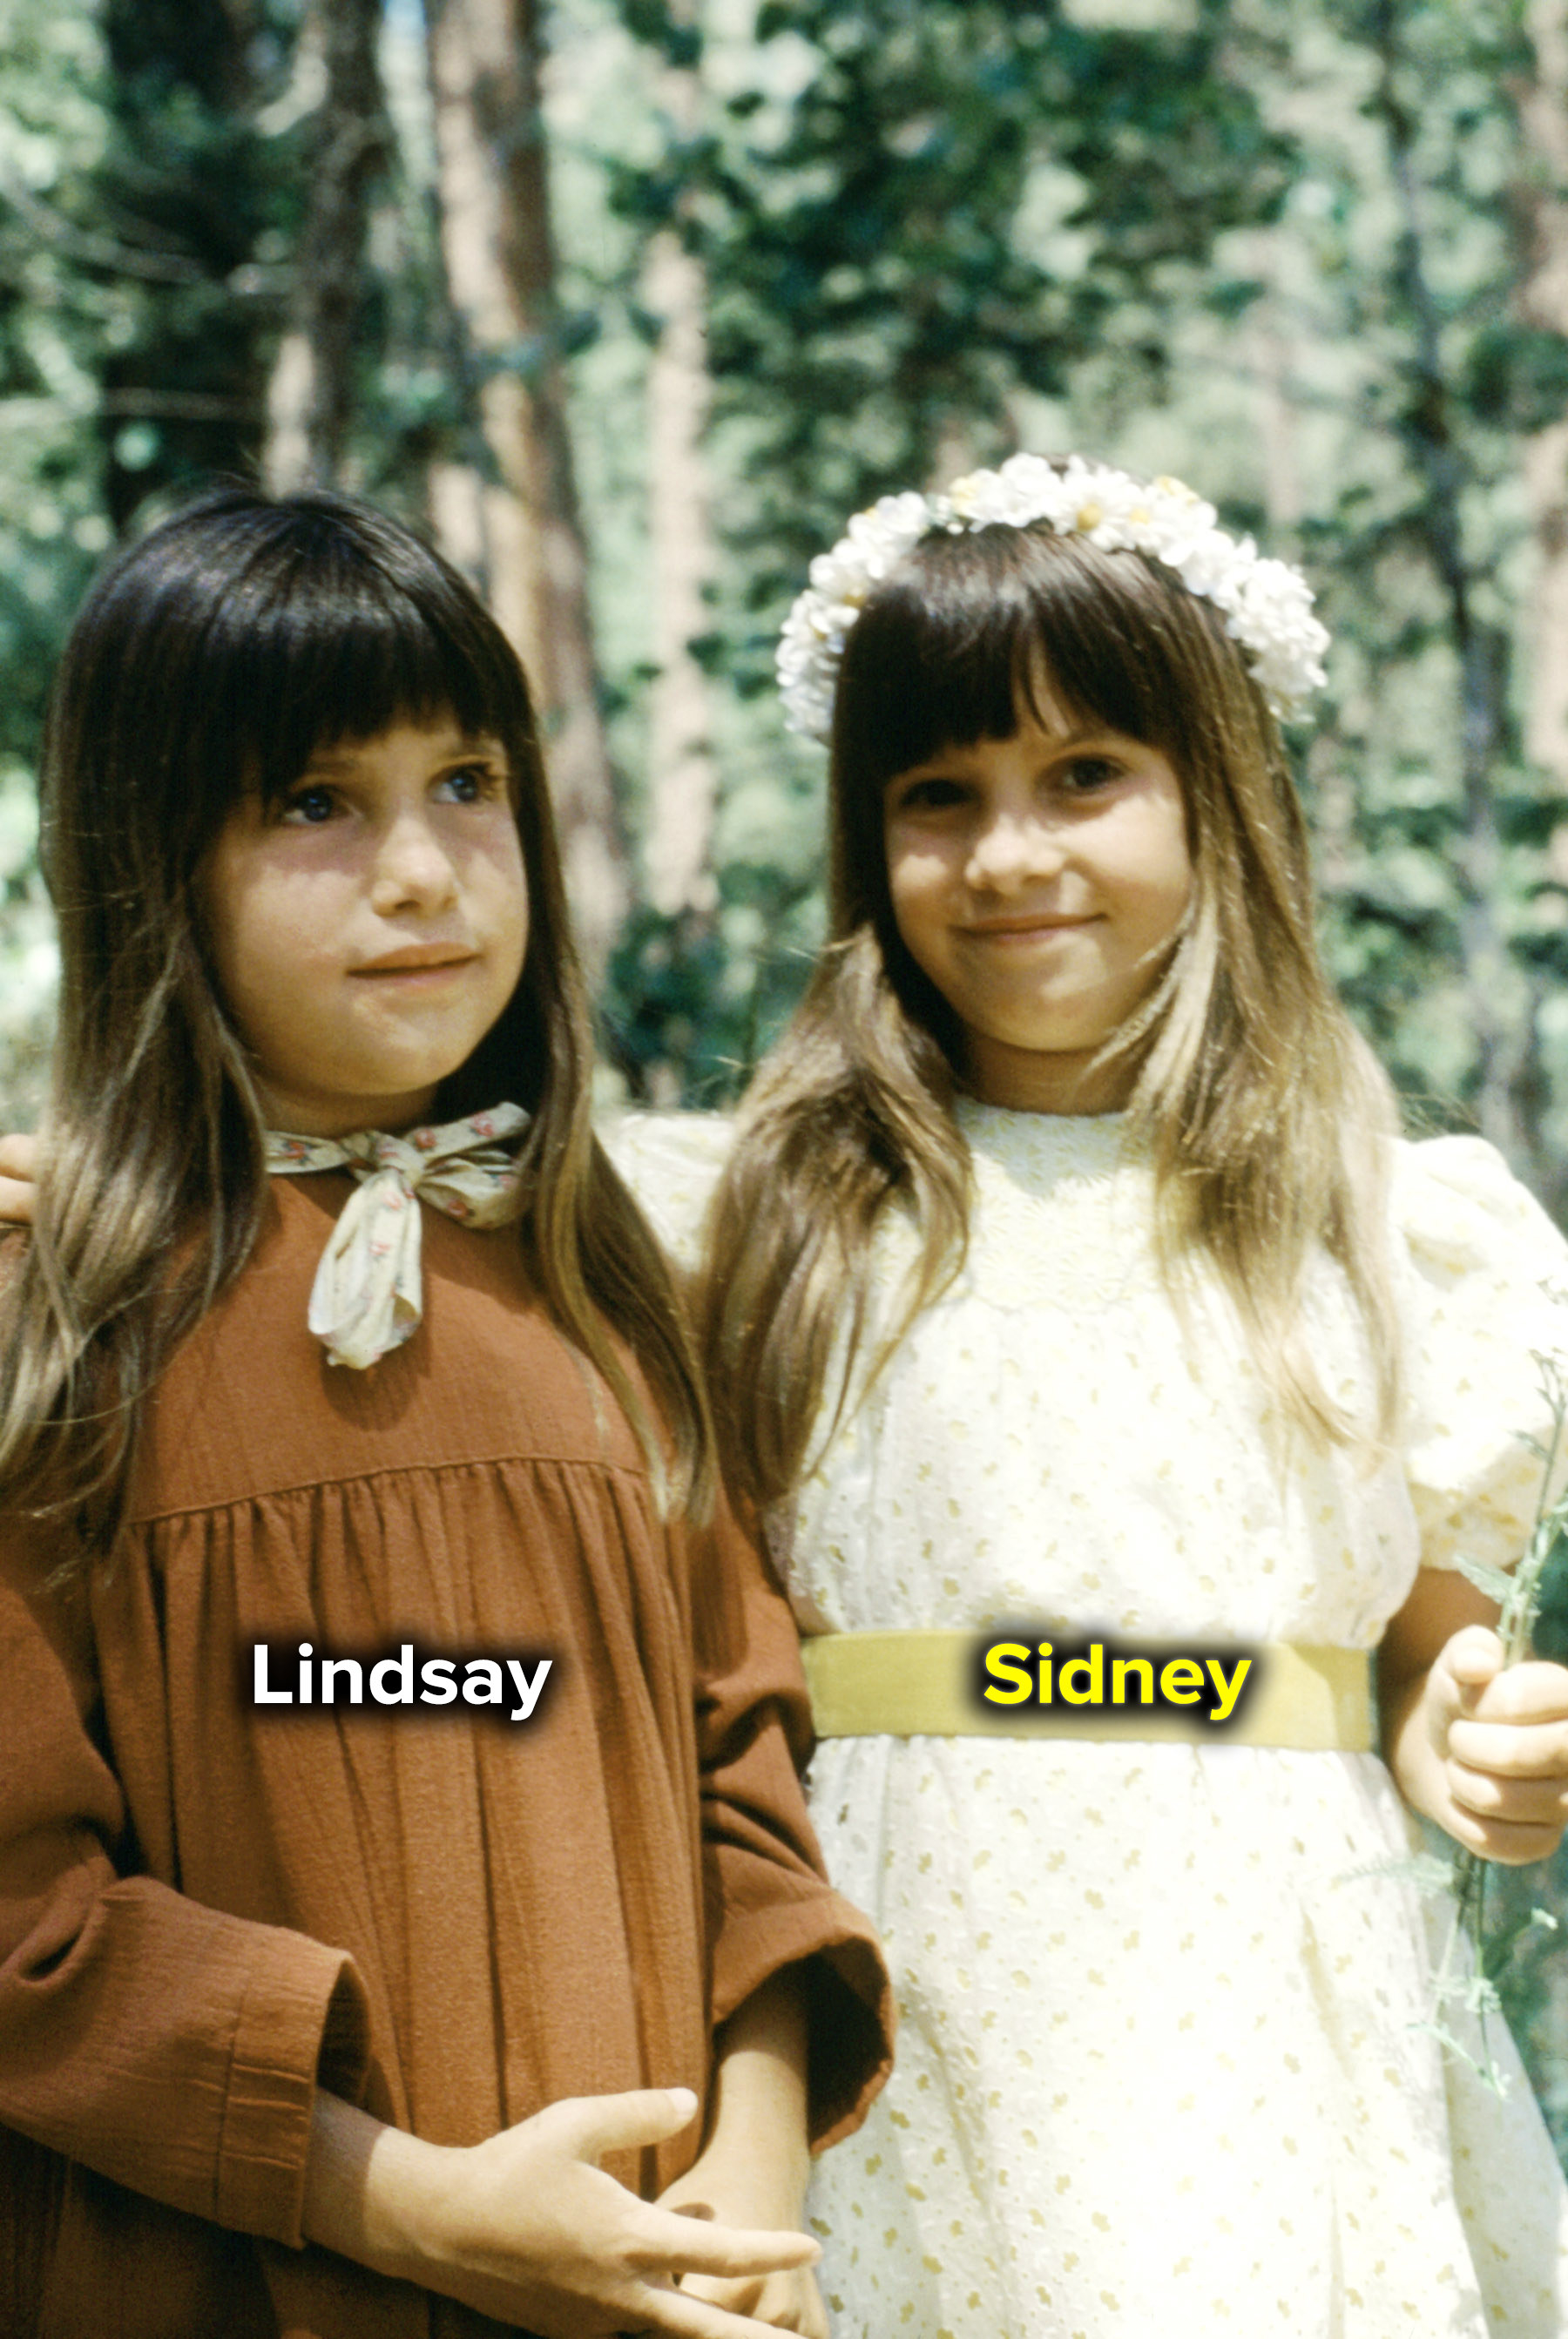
{"points": [[1066, 1268]]}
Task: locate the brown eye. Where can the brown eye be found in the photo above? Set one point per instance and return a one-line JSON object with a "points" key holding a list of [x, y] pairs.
{"points": [[930, 795], [1086, 774]]}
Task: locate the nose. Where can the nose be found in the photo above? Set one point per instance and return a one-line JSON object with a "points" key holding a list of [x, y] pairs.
{"points": [[412, 868], [1011, 849]]}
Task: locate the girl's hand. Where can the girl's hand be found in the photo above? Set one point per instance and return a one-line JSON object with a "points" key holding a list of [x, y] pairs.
{"points": [[527, 2228], [1480, 1749], [1501, 1738], [738, 2188], [18, 1160]]}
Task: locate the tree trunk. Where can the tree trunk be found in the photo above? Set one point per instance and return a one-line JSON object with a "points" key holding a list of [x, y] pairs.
{"points": [[681, 781], [499, 252], [310, 395], [1544, 116]]}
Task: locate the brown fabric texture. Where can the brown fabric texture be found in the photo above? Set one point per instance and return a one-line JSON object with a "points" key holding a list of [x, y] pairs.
{"points": [[448, 1917]]}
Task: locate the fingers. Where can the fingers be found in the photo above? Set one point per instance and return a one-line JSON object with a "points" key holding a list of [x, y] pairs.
{"points": [[685, 2316], [1502, 1733], [587, 2126], [18, 1158], [1511, 1845], [1472, 1659], [1512, 1750], [19, 1155], [1529, 1693], [1532, 1802], [16, 1201], [668, 2239], [784, 2302]]}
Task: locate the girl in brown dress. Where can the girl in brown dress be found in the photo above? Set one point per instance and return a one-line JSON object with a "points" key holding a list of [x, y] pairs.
{"points": [[396, 1788]]}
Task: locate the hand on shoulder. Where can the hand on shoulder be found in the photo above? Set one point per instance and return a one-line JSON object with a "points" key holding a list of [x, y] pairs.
{"points": [[18, 1170]]}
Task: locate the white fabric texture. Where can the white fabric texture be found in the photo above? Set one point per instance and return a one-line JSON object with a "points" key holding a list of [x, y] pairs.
{"points": [[1157, 2070], [367, 1295]]}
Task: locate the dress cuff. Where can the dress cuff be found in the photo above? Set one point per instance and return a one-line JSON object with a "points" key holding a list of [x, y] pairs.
{"points": [[302, 2024], [850, 2003]]}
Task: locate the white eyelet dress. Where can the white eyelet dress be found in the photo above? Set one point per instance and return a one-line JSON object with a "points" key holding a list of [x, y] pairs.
{"points": [[1159, 2068]]}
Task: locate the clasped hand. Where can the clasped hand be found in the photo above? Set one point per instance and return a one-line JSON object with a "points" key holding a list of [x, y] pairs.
{"points": [[527, 2227], [1500, 1740]]}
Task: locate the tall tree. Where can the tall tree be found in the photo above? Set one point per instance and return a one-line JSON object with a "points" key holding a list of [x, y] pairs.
{"points": [[310, 397], [190, 177], [500, 255], [1542, 199], [682, 780], [1432, 422]]}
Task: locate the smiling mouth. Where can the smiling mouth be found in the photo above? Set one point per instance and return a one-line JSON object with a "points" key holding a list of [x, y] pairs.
{"points": [[420, 958], [1003, 930]]}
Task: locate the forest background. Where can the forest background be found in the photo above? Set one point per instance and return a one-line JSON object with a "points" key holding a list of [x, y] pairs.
{"points": [[631, 303]]}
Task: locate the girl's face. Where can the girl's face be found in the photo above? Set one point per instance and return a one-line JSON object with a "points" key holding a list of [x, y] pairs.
{"points": [[1040, 882], [368, 932]]}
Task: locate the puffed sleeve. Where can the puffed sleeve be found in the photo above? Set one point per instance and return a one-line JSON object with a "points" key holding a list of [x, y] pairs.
{"points": [[769, 1902], [671, 1161], [161, 2043], [1485, 1293]]}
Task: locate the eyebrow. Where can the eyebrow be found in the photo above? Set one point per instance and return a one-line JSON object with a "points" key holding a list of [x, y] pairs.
{"points": [[344, 756], [1054, 743]]}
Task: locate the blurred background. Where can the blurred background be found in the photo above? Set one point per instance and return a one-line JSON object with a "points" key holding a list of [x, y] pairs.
{"points": [[630, 302]]}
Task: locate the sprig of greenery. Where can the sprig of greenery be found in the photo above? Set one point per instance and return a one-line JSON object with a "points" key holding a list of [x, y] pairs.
{"points": [[1474, 1954]]}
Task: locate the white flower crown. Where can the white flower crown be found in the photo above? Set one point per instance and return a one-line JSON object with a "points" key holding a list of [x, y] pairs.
{"points": [[1267, 605]]}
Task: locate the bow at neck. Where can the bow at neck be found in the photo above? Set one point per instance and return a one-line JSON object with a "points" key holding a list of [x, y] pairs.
{"points": [[367, 1297]]}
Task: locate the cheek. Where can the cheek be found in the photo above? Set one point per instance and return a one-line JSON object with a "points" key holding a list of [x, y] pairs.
{"points": [[917, 881], [265, 929], [1160, 867], [505, 881]]}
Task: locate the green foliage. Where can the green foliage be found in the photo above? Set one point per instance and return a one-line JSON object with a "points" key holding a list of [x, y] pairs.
{"points": [[205, 204], [907, 215], [55, 313]]}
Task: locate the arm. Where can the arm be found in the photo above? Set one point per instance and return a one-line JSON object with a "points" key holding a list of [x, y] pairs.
{"points": [[754, 2165], [169, 2047], [1481, 1751], [770, 1905]]}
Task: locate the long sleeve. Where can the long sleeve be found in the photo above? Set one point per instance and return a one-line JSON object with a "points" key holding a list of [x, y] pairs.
{"points": [[769, 1901], [161, 2043]]}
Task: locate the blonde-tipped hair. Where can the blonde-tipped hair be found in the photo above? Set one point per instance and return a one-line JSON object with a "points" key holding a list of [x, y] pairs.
{"points": [[1264, 1115]]}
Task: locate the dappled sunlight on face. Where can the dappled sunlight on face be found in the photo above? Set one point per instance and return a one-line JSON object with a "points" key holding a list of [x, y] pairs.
{"points": [[1040, 881], [368, 932]]}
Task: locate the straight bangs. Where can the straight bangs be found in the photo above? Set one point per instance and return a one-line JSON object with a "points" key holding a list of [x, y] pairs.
{"points": [[216, 653], [311, 642], [328, 624], [970, 629]]}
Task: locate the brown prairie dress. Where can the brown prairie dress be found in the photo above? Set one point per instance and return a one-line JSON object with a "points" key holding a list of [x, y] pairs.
{"points": [[453, 1918]]}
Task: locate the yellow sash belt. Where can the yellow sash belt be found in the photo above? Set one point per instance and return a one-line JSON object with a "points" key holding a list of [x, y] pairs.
{"points": [[921, 1684]]}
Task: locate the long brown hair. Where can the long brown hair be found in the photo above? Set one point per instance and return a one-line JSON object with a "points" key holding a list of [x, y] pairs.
{"points": [[1262, 1111], [210, 658]]}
